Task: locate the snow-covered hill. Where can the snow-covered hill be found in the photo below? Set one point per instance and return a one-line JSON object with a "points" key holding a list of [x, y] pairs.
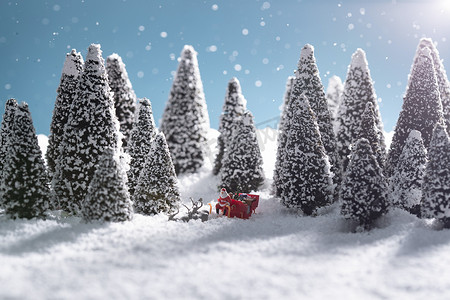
{"points": [[274, 255]]}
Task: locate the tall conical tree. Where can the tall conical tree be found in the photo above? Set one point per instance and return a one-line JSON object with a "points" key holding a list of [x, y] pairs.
{"points": [[309, 84], [278, 180], [242, 163], [334, 93], [306, 167], [185, 121], [92, 127], [108, 199], [363, 192], [358, 90], [436, 181], [124, 96], [141, 139], [406, 184], [157, 190], [25, 183], [421, 110], [6, 134], [234, 106], [64, 99]]}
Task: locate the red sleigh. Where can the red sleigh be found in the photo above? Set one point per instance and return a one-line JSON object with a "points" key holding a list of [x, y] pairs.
{"points": [[242, 207]]}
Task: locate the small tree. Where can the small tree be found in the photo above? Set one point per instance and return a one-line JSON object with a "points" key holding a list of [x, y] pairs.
{"points": [[334, 93], [64, 99], [363, 192], [108, 199], [278, 180], [185, 121], [157, 190], [242, 164], [234, 106], [306, 168], [25, 183], [406, 184], [124, 96], [436, 181], [141, 139]]}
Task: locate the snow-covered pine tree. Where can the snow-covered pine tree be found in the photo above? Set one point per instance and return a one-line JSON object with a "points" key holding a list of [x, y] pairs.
{"points": [[108, 199], [64, 99], [369, 130], [141, 138], [306, 169], [358, 90], [436, 181], [334, 93], [421, 110], [157, 190], [309, 84], [6, 133], [92, 127], [185, 121], [25, 183], [242, 163], [441, 75], [234, 106], [124, 96], [406, 183], [278, 180], [363, 192]]}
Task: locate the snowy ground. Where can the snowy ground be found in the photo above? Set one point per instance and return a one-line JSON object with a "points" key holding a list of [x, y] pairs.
{"points": [[273, 255]]}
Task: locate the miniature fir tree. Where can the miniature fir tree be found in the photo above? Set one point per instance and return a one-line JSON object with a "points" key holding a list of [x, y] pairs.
{"points": [[64, 99], [334, 93], [157, 190], [25, 183], [234, 106], [358, 90], [278, 180], [421, 109], [406, 184], [242, 163], [141, 139], [185, 121], [124, 96], [436, 181], [309, 84], [306, 167], [92, 127], [108, 199], [363, 192], [369, 130]]}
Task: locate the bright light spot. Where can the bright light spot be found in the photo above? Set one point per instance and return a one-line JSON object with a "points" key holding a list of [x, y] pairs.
{"points": [[277, 38], [215, 7], [258, 83], [388, 85], [351, 26], [235, 53], [172, 56], [163, 34], [349, 15], [7, 86], [266, 5], [237, 67], [56, 7], [140, 74], [245, 31], [97, 23], [141, 28], [265, 61], [148, 47], [262, 23], [224, 72], [212, 48], [247, 72], [362, 11]]}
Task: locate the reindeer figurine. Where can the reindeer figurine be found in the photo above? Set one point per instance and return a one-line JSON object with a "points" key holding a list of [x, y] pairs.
{"points": [[193, 214]]}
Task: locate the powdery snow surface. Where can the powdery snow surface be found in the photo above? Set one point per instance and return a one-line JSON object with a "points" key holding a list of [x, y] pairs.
{"points": [[274, 255]]}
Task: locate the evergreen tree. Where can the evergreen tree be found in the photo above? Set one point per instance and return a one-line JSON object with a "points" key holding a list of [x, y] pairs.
{"points": [[358, 90], [124, 96], [436, 181], [309, 84], [157, 190], [6, 134], [141, 138], [278, 181], [369, 130], [185, 121], [364, 189], [92, 127], [406, 184], [108, 198], [242, 163], [25, 183], [64, 99], [306, 168], [421, 110], [234, 106], [334, 93]]}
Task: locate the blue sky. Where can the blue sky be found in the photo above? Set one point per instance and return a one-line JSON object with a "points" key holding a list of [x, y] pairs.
{"points": [[259, 42]]}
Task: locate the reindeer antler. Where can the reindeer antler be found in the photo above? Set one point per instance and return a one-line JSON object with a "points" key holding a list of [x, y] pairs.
{"points": [[171, 216]]}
